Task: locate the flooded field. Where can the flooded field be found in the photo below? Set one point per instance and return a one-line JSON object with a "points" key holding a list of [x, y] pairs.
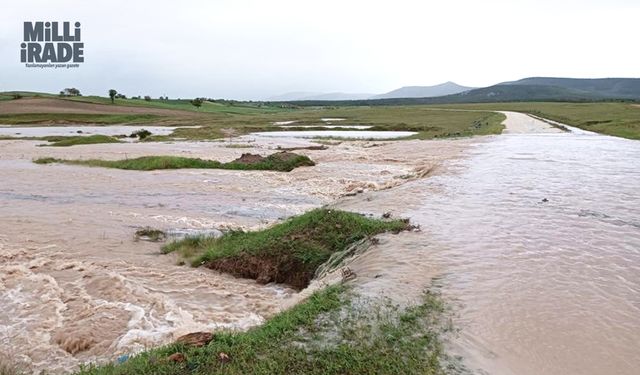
{"points": [[76, 286], [82, 130], [532, 236], [349, 134]]}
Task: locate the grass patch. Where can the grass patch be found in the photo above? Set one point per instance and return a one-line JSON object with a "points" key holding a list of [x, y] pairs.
{"points": [[79, 140], [289, 252], [282, 162], [239, 145], [330, 333]]}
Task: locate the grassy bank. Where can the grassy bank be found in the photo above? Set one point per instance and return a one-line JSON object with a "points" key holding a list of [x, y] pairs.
{"points": [[617, 119], [282, 161], [330, 333], [289, 252], [334, 331]]}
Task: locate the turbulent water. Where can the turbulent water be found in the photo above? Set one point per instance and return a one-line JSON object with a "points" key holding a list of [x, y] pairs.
{"points": [[536, 240], [75, 285]]}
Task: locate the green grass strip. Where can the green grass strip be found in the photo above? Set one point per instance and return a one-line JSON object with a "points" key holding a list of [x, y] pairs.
{"points": [[329, 333], [147, 163], [80, 140]]}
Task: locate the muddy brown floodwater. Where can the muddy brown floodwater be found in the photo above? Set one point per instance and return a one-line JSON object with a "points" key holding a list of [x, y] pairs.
{"points": [[533, 237], [535, 240], [76, 287]]}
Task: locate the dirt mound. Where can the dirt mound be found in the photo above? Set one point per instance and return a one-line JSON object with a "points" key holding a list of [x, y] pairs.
{"points": [[51, 105], [285, 156], [249, 158], [197, 339]]}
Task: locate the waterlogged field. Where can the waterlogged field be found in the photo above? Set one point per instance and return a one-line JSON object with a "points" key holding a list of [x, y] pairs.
{"points": [[618, 119], [219, 120]]}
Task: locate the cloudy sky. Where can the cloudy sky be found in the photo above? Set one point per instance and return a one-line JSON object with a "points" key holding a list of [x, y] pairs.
{"points": [[247, 49]]}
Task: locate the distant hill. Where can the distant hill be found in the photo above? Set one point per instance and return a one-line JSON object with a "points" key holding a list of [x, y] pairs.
{"points": [[447, 88], [302, 95], [618, 88], [528, 89]]}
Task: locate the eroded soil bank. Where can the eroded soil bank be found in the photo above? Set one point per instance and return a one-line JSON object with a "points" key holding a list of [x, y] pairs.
{"points": [[75, 284]]}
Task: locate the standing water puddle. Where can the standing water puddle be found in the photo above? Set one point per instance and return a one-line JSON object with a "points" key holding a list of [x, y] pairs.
{"points": [[348, 134], [46, 131]]}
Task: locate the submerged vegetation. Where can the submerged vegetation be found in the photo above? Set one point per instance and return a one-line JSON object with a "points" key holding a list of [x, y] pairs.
{"points": [[150, 234], [79, 140], [281, 161], [332, 332], [289, 252]]}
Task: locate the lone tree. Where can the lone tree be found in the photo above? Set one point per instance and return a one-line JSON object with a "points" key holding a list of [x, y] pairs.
{"points": [[112, 95], [70, 91], [197, 102]]}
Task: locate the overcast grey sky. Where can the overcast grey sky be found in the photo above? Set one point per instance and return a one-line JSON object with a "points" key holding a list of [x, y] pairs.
{"points": [[247, 49]]}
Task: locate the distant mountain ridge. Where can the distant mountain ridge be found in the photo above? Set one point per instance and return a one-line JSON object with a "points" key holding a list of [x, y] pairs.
{"points": [[620, 88], [527, 89], [447, 88], [302, 95]]}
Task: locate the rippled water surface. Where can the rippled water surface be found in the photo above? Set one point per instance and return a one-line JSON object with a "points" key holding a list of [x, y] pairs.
{"points": [[537, 241]]}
